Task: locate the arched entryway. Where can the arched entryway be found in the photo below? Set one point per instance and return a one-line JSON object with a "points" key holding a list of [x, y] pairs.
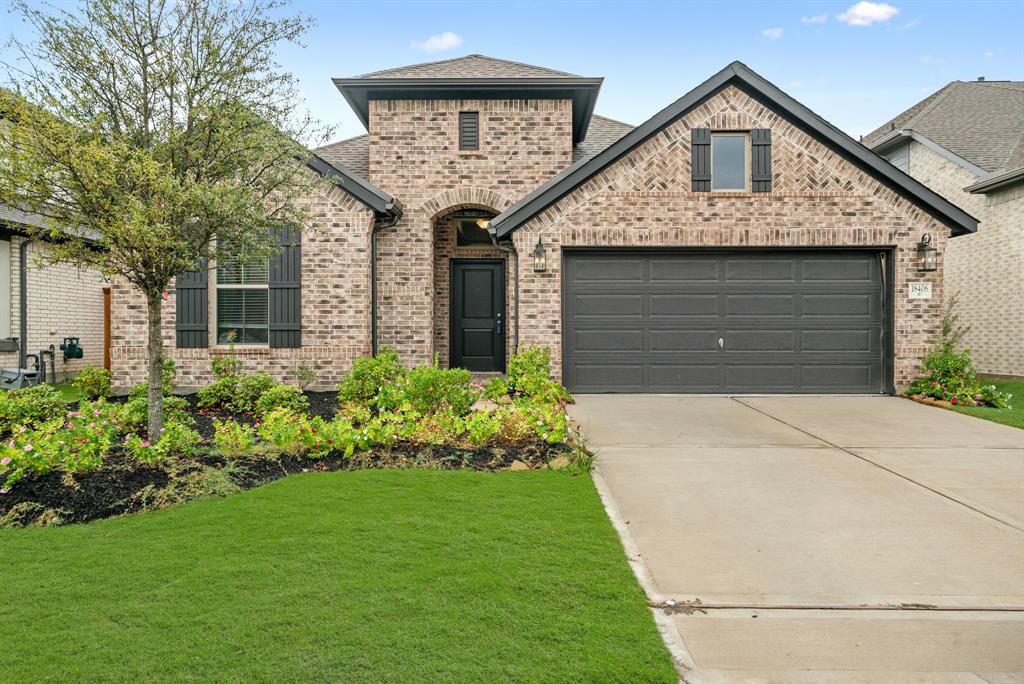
{"points": [[471, 294]]}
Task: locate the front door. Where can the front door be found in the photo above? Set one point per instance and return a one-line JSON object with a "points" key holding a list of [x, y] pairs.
{"points": [[477, 334]]}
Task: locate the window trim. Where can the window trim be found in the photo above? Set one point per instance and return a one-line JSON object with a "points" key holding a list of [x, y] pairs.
{"points": [[748, 160], [214, 325]]}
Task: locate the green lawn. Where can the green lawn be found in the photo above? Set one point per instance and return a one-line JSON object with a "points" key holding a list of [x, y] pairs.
{"points": [[68, 393], [1012, 416], [363, 576]]}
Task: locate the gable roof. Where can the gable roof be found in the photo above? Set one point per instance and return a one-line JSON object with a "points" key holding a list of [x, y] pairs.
{"points": [[470, 66], [473, 77], [602, 133], [746, 79], [981, 122]]}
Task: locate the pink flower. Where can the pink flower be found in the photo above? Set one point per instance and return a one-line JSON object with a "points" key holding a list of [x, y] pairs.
{"points": [[5, 460], [69, 426], [28, 447], [954, 400], [146, 443], [21, 430], [96, 412], [5, 490]]}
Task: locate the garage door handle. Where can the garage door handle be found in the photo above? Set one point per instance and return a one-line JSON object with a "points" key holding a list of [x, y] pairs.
{"points": [[721, 343]]}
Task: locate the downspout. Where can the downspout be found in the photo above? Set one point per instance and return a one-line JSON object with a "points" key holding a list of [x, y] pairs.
{"points": [[23, 300], [391, 219], [515, 284]]}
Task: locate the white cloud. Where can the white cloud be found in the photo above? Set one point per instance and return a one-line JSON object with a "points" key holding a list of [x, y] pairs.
{"points": [[989, 54], [910, 24], [816, 19], [439, 43], [866, 13], [772, 33]]}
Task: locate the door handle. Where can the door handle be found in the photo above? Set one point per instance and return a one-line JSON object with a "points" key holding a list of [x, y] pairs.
{"points": [[497, 325], [721, 343]]}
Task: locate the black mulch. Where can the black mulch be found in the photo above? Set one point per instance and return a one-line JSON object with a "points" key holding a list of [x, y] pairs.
{"points": [[124, 485]]}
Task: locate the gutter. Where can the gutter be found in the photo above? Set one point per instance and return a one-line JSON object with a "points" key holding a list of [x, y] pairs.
{"points": [[23, 300], [391, 218], [996, 181], [511, 250]]}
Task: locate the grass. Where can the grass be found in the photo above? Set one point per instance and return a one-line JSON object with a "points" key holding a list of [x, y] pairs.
{"points": [[68, 393], [1012, 416], [364, 576]]}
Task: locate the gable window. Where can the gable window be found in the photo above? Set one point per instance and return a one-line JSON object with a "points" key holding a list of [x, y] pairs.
{"points": [[472, 233], [729, 167], [469, 131], [242, 302]]}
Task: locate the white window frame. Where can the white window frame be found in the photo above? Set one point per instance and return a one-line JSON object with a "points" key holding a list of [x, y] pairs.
{"points": [[747, 159], [214, 277]]}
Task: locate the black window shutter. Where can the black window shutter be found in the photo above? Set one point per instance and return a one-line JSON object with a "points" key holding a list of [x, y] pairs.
{"points": [[285, 290], [700, 159], [191, 309], [761, 164], [469, 130]]}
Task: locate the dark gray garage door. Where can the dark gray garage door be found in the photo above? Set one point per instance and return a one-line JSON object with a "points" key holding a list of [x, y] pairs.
{"points": [[724, 321]]}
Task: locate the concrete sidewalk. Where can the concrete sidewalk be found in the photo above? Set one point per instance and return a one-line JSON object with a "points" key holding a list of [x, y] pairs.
{"points": [[828, 539]]}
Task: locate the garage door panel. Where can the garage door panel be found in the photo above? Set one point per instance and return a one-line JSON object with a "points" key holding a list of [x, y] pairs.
{"points": [[760, 305], [601, 340], [608, 305], [683, 340], [602, 270], [788, 321], [684, 305]]}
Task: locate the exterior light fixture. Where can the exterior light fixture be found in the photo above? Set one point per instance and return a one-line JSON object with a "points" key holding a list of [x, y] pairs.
{"points": [[540, 261], [483, 223], [927, 256]]}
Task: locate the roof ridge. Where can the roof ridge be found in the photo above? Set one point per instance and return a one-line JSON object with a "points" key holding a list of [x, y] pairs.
{"points": [[411, 66], [940, 95], [476, 55], [999, 84], [343, 140], [618, 121]]}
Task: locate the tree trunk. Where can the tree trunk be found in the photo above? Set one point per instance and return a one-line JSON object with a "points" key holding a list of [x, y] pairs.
{"points": [[155, 349]]}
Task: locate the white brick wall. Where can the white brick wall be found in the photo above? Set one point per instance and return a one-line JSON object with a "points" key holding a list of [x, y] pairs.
{"points": [[986, 268], [63, 301]]}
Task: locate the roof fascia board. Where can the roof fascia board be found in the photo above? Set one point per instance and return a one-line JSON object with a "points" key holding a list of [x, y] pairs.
{"points": [[367, 193], [959, 220], [996, 181], [892, 139]]}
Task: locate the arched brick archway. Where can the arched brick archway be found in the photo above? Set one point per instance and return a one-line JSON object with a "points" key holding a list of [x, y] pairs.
{"points": [[444, 212], [465, 198]]}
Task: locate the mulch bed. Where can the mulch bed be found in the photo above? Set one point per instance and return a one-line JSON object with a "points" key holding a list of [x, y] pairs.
{"points": [[125, 485]]}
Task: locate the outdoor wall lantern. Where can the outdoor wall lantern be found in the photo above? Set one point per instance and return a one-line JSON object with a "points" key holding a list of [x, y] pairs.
{"points": [[927, 256], [540, 261]]}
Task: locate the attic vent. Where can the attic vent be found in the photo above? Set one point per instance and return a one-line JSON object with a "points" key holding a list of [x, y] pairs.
{"points": [[469, 131], [981, 78]]}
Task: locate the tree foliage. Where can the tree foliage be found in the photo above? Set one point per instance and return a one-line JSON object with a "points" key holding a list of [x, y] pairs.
{"points": [[151, 133]]}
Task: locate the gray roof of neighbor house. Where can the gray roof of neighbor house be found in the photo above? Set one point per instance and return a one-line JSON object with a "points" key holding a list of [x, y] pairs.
{"points": [[746, 79], [470, 66], [473, 77], [354, 153], [981, 122], [363, 190]]}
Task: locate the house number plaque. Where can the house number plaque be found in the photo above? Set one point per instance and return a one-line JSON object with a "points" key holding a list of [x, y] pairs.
{"points": [[920, 290]]}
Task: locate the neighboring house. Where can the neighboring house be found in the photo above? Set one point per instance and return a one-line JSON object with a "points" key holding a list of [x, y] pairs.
{"points": [[59, 301], [734, 242], [966, 142]]}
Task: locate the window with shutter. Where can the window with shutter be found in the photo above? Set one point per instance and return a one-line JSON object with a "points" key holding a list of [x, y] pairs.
{"points": [[469, 131], [242, 302], [191, 310], [285, 289], [729, 168]]}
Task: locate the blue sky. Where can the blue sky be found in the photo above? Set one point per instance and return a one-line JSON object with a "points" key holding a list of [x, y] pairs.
{"points": [[855, 63]]}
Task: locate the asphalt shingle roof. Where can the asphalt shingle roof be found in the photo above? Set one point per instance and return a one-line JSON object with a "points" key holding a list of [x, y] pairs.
{"points": [[470, 66], [980, 121], [354, 153]]}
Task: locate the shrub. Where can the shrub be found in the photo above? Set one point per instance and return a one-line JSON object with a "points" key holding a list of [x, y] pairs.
{"points": [[529, 375], [224, 366], [249, 390], [218, 393], [177, 440], [234, 439], [296, 434], [167, 379], [549, 421], [481, 427], [29, 407], [94, 383], [133, 415], [497, 389], [514, 426], [368, 375], [441, 427], [994, 398], [305, 374], [427, 389], [282, 396]]}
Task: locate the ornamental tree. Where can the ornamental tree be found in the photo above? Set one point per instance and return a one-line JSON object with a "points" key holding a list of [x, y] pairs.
{"points": [[151, 134]]}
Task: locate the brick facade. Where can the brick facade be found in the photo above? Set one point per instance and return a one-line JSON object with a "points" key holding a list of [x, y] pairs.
{"points": [[63, 301], [818, 198], [986, 268], [335, 307], [414, 156]]}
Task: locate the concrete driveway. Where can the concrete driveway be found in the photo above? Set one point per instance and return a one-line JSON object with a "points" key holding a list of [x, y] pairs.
{"points": [[825, 539]]}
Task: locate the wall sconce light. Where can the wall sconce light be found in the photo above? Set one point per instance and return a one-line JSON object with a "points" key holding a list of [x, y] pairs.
{"points": [[540, 261], [927, 256]]}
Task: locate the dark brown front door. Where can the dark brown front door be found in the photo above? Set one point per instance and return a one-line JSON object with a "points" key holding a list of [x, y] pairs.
{"points": [[477, 334]]}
